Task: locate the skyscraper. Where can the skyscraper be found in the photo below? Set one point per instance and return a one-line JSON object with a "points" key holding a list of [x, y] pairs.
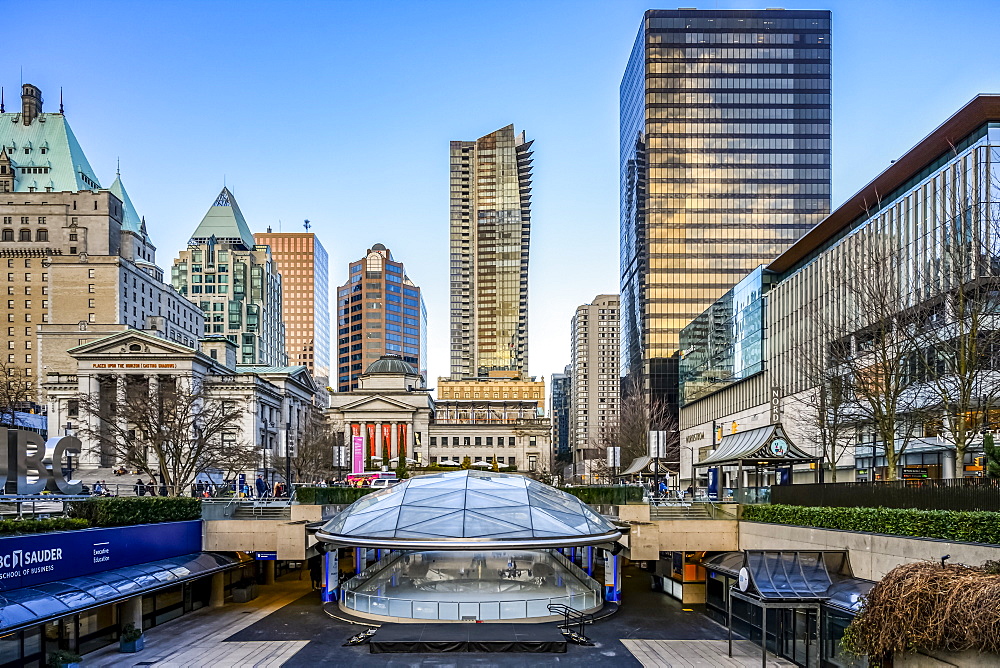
{"points": [[379, 312], [561, 384], [593, 410], [490, 232], [305, 298], [235, 283], [725, 161]]}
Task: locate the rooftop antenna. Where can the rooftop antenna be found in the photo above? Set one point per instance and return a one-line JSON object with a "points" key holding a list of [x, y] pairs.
{"points": [[118, 172], [307, 224], [1, 100], [60, 100]]}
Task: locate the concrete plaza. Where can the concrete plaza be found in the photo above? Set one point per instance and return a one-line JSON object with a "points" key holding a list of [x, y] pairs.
{"points": [[286, 626]]}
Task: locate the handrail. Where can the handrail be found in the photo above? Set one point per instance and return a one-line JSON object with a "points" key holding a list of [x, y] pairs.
{"points": [[571, 616]]}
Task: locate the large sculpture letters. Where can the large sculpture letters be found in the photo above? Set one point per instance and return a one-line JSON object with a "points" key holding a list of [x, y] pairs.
{"points": [[23, 451]]}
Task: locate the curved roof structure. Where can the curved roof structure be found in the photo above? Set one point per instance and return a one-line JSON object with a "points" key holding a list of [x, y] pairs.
{"points": [[468, 510], [391, 364]]}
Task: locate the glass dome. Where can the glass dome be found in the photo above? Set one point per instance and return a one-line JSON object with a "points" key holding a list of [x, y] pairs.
{"points": [[468, 510]]}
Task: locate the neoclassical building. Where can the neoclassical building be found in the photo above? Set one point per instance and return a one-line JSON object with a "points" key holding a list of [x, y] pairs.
{"points": [[279, 400], [392, 411]]}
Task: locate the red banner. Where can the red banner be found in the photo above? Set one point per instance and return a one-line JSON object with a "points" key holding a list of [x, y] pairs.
{"points": [[401, 441], [371, 440], [355, 430], [387, 441]]}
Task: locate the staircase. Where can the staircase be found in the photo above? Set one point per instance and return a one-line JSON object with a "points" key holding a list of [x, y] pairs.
{"points": [[696, 511], [249, 511]]}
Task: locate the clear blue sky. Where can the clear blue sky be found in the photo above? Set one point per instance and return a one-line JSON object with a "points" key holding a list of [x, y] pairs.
{"points": [[341, 112]]}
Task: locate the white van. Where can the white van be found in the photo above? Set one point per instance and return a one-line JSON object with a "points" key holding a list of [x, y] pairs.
{"points": [[382, 483]]}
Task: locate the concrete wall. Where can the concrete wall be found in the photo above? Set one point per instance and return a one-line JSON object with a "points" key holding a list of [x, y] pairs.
{"points": [[872, 555]]}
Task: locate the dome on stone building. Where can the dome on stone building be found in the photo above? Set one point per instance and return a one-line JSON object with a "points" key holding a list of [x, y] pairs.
{"points": [[466, 510], [391, 364]]}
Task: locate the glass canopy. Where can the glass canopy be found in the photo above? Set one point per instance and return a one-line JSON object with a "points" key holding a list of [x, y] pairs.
{"points": [[466, 509]]}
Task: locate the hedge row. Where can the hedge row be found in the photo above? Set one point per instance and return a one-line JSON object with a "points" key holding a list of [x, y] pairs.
{"points": [[960, 525], [320, 496], [8, 527], [126, 511], [616, 495]]}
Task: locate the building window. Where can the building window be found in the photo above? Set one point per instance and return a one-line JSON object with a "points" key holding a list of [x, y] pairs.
{"points": [[24, 235], [8, 235]]}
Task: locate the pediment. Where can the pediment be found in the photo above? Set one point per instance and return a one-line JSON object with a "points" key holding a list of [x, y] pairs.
{"points": [[131, 343], [378, 402]]}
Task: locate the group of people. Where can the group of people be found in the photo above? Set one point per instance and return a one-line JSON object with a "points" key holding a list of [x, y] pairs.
{"points": [[101, 489], [143, 488]]}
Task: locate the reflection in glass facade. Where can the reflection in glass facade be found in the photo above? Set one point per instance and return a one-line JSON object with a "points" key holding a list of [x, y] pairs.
{"points": [[725, 161], [726, 342], [380, 311], [490, 232]]}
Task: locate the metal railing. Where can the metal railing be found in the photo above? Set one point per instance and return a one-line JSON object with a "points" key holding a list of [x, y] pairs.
{"points": [[390, 606], [922, 494]]}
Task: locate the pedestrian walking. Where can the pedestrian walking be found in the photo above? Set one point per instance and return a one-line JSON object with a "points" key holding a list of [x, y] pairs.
{"points": [[314, 573], [261, 486], [140, 488]]}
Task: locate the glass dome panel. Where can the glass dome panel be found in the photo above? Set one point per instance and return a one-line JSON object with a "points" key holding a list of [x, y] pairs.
{"points": [[474, 505]]}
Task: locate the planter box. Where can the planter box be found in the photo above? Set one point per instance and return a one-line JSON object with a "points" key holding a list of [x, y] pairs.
{"points": [[130, 647], [244, 594]]}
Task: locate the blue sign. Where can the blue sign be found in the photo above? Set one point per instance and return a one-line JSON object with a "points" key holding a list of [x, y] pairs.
{"points": [[713, 483], [265, 556], [36, 559]]}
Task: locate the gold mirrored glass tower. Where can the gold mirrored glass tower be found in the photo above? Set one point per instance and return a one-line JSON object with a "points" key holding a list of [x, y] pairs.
{"points": [[490, 233]]}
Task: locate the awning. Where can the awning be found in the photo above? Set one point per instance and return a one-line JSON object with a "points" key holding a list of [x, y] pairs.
{"points": [[28, 606], [638, 464], [768, 445]]}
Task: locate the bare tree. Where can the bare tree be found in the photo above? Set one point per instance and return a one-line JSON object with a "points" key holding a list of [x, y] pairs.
{"points": [[639, 414], [823, 409], [16, 391], [174, 429], [314, 458], [871, 348], [957, 334]]}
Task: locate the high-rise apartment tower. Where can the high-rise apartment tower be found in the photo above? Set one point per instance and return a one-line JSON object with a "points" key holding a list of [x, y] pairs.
{"points": [[379, 312], [725, 161], [235, 282], [490, 233], [594, 400], [305, 298]]}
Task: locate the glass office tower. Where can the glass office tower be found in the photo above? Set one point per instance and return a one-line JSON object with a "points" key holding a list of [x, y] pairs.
{"points": [[725, 161], [490, 235]]}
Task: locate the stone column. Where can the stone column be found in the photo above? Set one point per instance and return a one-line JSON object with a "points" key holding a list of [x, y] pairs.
{"points": [[378, 444], [269, 572], [393, 441], [131, 613], [218, 596], [121, 423]]}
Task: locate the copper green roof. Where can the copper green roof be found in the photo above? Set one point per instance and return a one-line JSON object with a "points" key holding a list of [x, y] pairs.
{"points": [[391, 364], [131, 221], [54, 159], [225, 222]]}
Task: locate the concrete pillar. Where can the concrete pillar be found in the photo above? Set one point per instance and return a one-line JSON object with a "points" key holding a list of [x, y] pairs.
{"points": [[269, 572], [218, 597], [950, 467], [131, 613]]}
